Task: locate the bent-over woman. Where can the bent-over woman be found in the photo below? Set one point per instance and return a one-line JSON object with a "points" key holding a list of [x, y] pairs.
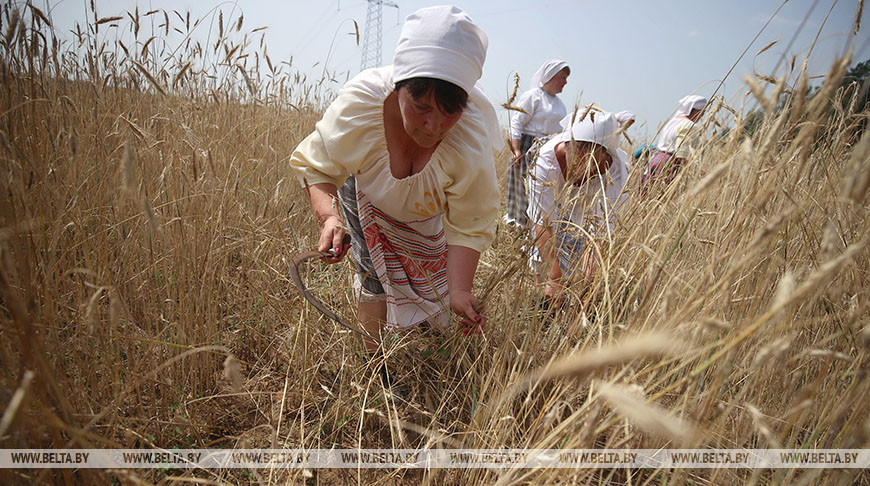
{"points": [[575, 192], [411, 147], [679, 137]]}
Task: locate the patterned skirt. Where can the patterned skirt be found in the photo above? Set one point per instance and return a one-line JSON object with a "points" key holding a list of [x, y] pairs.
{"points": [[517, 199], [568, 242], [663, 167], [404, 261]]}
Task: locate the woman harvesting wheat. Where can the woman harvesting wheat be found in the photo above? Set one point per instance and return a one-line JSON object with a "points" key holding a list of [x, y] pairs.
{"points": [[679, 137], [577, 187], [411, 147]]}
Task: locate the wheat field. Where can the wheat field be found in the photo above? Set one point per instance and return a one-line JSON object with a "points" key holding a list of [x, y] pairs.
{"points": [[148, 219]]}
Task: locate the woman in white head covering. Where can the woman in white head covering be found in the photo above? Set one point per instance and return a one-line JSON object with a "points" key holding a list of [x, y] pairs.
{"points": [[411, 146], [576, 189], [543, 114], [677, 140]]}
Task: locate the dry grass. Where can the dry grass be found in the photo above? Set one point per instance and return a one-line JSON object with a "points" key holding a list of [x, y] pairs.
{"points": [[145, 242]]}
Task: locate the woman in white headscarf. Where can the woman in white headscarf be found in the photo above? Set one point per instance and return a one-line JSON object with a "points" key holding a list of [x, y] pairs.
{"points": [[411, 147], [543, 114], [678, 138], [576, 190]]}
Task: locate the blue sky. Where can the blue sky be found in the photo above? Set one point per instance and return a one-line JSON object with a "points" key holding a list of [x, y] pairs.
{"points": [[638, 55]]}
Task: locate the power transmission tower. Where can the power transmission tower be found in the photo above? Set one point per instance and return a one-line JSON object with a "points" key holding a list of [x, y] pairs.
{"points": [[372, 49]]}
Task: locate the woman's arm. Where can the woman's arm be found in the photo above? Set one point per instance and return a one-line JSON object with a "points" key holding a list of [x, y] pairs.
{"points": [[324, 202], [461, 267], [516, 149], [519, 120], [549, 258]]}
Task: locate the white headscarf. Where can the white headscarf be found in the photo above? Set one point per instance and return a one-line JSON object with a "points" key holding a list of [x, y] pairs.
{"points": [[689, 103], [546, 72], [600, 130], [624, 116], [444, 43]]}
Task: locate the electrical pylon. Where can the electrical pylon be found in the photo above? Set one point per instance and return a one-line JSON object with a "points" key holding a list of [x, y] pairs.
{"points": [[372, 48]]}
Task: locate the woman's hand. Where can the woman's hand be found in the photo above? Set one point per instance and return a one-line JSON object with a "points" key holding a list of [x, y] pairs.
{"points": [[461, 266], [553, 289], [333, 238], [516, 150], [464, 303], [550, 272]]}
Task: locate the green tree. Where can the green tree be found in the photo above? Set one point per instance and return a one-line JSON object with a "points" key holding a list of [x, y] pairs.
{"points": [[856, 83]]}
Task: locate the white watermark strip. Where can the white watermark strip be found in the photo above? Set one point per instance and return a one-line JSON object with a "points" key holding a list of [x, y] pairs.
{"points": [[433, 458]]}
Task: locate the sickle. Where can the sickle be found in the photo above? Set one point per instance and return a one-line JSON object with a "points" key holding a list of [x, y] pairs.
{"points": [[300, 285]]}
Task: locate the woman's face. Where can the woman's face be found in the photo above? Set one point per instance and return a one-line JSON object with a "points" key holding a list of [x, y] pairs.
{"points": [[589, 160], [555, 85], [423, 119]]}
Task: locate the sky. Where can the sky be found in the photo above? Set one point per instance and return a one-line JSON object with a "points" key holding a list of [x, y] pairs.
{"points": [[636, 55]]}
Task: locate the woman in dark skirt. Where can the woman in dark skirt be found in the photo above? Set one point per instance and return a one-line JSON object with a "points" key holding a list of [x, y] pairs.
{"points": [[543, 113]]}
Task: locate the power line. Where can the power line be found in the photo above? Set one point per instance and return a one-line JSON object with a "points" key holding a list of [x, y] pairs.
{"points": [[372, 46]]}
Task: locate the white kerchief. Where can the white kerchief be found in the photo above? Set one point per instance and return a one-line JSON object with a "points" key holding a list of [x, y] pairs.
{"points": [[546, 72], [689, 103], [601, 130], [624, 116], [441, 43]]}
